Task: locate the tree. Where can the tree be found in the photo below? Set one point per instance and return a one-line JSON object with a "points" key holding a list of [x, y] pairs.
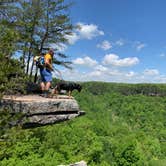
{"points": [[41, 24], [53, 26]]}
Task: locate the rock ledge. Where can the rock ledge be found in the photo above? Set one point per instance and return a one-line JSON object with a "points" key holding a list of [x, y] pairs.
{"points": [[39, 111]]}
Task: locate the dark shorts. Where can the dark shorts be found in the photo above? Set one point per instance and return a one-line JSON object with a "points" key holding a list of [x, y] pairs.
{"points": [[46, 75]]}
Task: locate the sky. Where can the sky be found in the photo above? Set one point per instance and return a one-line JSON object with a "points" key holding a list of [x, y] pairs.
{"points": [[117, 41]]}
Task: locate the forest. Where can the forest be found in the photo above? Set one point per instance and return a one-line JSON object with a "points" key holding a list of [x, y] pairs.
{"points": [[124, 125], [117, 130]]}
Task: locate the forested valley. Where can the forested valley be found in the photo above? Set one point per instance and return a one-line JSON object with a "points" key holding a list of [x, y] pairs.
{"points": [[117, 130]]}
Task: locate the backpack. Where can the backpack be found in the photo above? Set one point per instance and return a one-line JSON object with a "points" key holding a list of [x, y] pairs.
{"points": [[40, 61]]}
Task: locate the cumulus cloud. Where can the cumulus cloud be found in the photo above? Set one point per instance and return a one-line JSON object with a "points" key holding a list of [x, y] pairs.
{"points": [[101, 68], [84, 31], [88, 31], [86, 61], [113, 75], [105, 45], [109, 70], [130, 74], [113, 59], [151, 72], [161, 78], [72, 38], [95, 74], [114, 72]]}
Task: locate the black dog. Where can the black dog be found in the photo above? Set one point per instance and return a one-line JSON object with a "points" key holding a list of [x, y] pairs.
{"points": [[68, 86]]}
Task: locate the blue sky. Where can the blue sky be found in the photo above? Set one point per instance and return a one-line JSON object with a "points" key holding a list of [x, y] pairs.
{"points": [[117, 41]]}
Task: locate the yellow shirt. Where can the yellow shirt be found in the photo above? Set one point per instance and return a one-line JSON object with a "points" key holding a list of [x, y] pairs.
{"points": [[48, 57]]}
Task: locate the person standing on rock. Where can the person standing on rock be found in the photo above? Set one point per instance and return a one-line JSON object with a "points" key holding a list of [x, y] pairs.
{"points": [[46, 73]]}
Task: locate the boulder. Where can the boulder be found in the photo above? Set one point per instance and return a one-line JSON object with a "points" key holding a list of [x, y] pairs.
{"points": [[81, 163]]}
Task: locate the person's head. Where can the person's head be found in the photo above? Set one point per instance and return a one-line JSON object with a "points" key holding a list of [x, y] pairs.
{"points": [[51, 52]]}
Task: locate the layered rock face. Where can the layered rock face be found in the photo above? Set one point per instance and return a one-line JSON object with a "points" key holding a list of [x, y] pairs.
{"points": [[39, 111]]}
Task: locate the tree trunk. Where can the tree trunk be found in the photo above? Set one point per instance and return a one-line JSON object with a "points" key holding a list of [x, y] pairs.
{"points": [[29, 58], [31, 72], [35, 78], [23, 56]]}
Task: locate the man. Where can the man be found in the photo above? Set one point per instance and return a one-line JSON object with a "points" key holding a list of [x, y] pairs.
{"points": [[46, 75]]}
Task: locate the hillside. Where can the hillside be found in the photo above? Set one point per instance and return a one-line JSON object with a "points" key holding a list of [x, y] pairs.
{"points": [[122, 126]]}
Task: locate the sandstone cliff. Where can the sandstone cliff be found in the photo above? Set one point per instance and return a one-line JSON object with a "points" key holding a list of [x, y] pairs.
{"points": [[38, 111]]}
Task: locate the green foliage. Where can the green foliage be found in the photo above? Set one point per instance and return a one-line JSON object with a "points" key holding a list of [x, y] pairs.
{"points": [[11, 71], [32, 27], [117, 130], [12, 78], [99, 88]]}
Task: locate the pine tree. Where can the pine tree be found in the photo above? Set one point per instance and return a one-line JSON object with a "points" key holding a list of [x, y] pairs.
{"points": [[40, 24]]}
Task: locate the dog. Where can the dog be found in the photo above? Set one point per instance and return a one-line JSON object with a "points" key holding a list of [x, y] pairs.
{"points": [[68, 86]]}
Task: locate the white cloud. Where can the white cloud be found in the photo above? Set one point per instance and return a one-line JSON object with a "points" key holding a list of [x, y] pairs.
{"points": [[151, 72], [140, 46], [101, 68], [130, 74], [110, 70], [88, 31], [86, 61], [113, 59], [72, 38], [114, 72], [161, 78], [120, 42], [111, 75], [95, 74], [84, 31], [60, 46], [105, 45], [73, 75]]}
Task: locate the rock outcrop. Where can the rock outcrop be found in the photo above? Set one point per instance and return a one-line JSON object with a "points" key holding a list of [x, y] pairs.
{"points": [[39, 111], [81, 163]]}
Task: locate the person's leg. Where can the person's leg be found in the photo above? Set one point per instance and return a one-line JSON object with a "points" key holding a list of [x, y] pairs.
{"points": [[45, 92], [48, 85], [42, 86], [47, 77], [42, 83]]}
